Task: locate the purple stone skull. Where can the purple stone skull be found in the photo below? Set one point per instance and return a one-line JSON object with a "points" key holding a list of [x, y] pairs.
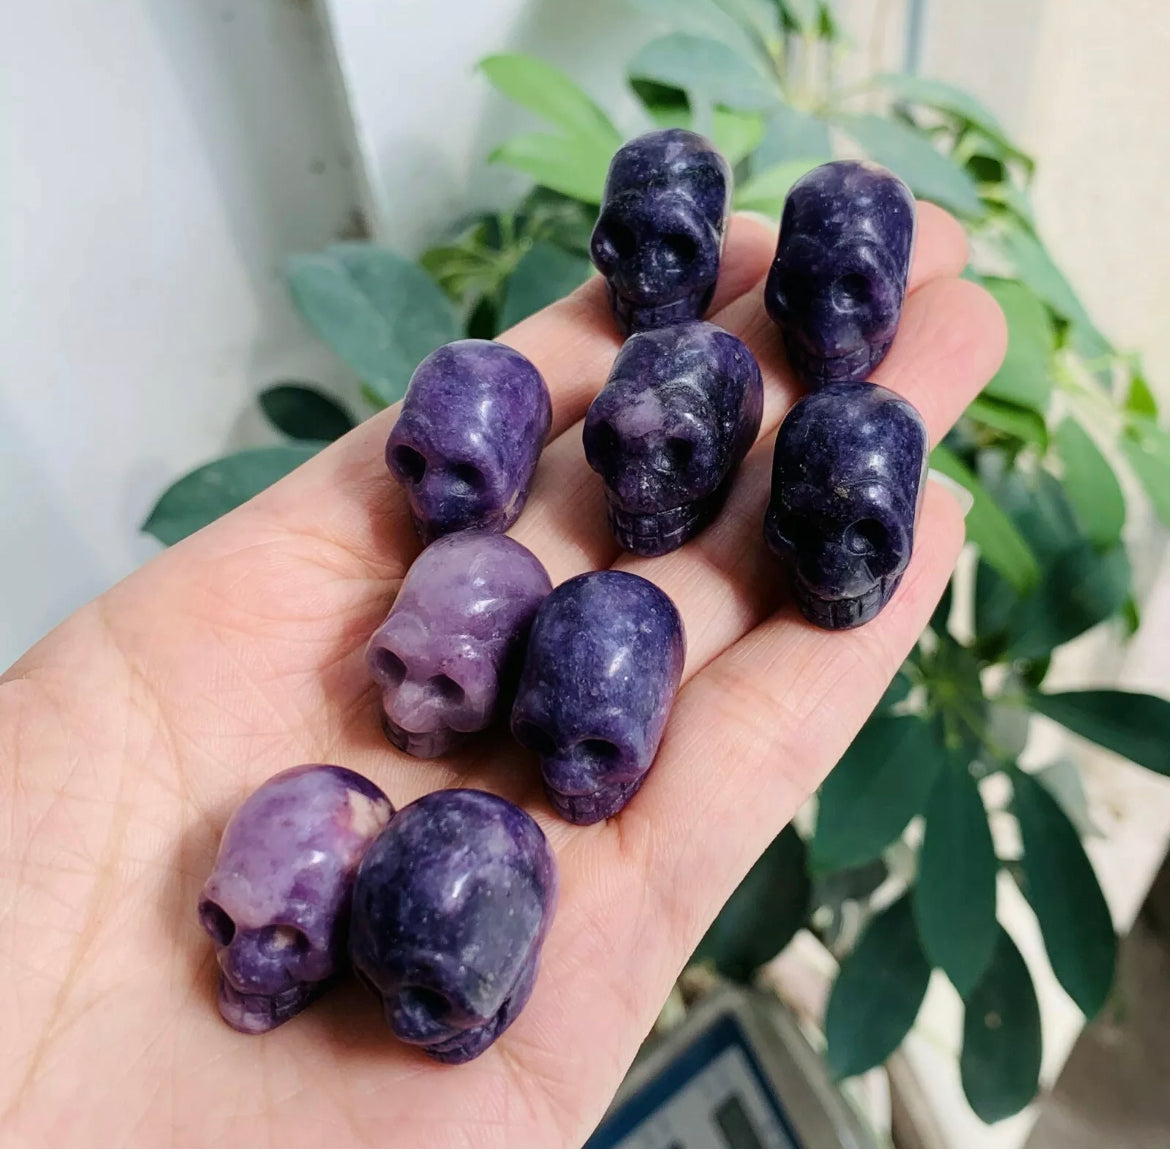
{"points": [[604, 662], [842, 263], [659, 237], [466, 444], [450, 909], [277, 902], [847, 484], [680, 410], [456, 632]]}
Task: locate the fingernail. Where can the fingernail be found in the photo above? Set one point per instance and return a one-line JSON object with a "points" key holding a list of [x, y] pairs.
{"points": [[960, 493]]}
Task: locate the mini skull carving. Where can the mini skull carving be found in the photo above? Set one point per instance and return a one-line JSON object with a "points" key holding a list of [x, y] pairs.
{"points": [[277, 902], [680, 410], [604, 662], [466, 444], [839, 277], [450, 909], [659, 237], [454, 639], [847, 484]]}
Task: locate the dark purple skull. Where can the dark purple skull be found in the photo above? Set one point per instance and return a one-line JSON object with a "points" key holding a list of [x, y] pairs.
{"points": [[681, 408], [466, 444], [659, 237], [450, 909], [604, 662], [847, 484], [839, 276], [277, 902], [457, 628]]}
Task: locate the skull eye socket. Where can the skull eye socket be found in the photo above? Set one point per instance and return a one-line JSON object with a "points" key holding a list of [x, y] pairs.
{"points": [[280, 938], [535, 738], [468, 475], [794, 289], [386, 663], [446, 689], [680, 247], [801, 533], [680, 451], [217, 923], [868, 536], [409, 464], [853, 290], [602, 750], [603, 442]]}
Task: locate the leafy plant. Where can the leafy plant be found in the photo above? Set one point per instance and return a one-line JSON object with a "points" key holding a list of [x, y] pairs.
{"points": [[1039, 450]]}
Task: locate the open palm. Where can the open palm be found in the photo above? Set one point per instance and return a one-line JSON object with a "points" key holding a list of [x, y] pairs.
{"points": [[130, 733]]}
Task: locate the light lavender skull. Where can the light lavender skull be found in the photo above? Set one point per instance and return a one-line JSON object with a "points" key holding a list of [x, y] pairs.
{"points": [[453, 641]]}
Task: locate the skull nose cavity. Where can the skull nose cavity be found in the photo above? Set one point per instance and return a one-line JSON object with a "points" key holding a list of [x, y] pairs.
{"points": [[418, 1013], [865, 537], [852, 291], [217, 923], [386, 666], [408, 463], [679, 453]]}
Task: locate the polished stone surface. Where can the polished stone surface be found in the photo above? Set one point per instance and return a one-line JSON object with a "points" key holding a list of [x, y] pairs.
{"points": [[681, 408], [604, 662], [470, 433], [847, 485], [451, 907]]}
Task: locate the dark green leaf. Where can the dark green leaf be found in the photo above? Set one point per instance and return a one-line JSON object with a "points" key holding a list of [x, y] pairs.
{"points": [[1000, 1061], [764, 912], [380, 312], [736, 134], [803, 15], [999, 542], [1140, 398], [994, 602], [305, 413], [1037, 504], [1017, 420], [212, 490], [560, 163], [1147, 449], [666, 105], [765, 192], [790, 134], [878, 992], [1090, 484], [912, 157], [709, 69], [1136, 726], [544, 274], [850, 883], [940, 619], [1063, 891], [879, 785], [1025, 377], [547, 91], [954, 899], [896, 692]]}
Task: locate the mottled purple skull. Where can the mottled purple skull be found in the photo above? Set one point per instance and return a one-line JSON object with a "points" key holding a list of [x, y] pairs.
{"points": [[847, 484], [454, 639], [466, 444], [450, 909], [681, 408], [604, 662], [659, 237], [277, 902], [839, 276]]}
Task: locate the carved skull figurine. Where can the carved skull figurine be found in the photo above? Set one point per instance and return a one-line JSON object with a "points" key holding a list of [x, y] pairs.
{"points": [[839, 277], [466, 444], [454, 639], [450, 909], [681, 408], [847, 484], [277, 902], [604, 662], [659, 237]]}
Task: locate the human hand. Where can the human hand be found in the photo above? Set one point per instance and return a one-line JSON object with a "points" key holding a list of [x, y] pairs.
{"points": [[130, 733]]}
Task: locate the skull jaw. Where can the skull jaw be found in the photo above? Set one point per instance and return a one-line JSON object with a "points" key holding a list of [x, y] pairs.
{"points": [[495, 521], [633, 317], [595, 806], [255, 1014], [651, 535], [431, 745], [816, 371], [844, 613]]}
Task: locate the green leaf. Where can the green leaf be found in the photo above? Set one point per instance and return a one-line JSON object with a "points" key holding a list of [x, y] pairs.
{"points": [[880, 784], [954, 899], [305, 413], [543, 275], [1090, 484], [803, 15], [547, 91], [790, 133], [1063, 891], [205, 494], [1062, 780], [1140, 398], [380, 312], [1147, 449], [900, 686], [1133, 725], [764, 912], [1037, 504], [560, 163], [999, 542], [709, 69], [765, 191], [1016, 420], [1025, 377], [1000, 1061], [736, 134], [667, 106], [912, 157], [707, 19], [878, 992]]}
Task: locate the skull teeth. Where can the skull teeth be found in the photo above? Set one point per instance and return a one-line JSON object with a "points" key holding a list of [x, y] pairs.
{"points": [[422, 746], [844, 613], [816, 371], [261, 1013], [634, 317], [597, 805], [663, 531]]}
